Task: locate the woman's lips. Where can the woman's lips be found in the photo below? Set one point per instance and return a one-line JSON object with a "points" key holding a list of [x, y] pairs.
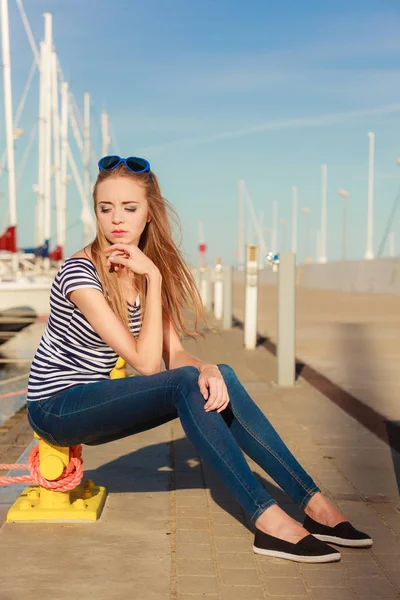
{"points": [[119, 233]]}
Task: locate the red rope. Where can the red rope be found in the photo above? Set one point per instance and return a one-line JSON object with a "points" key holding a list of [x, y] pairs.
{"points": [[68, 480], [11, 394]]}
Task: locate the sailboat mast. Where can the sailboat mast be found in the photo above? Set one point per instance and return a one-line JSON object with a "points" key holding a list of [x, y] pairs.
{"points": [[9, 122]]}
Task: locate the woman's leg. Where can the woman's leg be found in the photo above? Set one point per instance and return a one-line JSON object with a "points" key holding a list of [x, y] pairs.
{"points": [[100, 412], [257, 437]]}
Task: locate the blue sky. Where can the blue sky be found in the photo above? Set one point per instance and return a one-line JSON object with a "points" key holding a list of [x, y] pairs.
{"points": [[218, 90]]}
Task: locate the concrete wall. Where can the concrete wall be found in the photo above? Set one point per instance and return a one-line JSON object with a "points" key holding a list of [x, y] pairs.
{"points": [[379, 276]]}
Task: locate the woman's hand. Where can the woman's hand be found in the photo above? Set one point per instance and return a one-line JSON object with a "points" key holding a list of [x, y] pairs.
{"points": [[130, 256], [213, 388]]}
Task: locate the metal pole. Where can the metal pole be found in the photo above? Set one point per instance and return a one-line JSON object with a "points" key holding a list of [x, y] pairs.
{"points": [[218, 290], [369, 255], [87, 233], [241, 241], [286, 319], [274, 236], [251, 298], [227, 318], [105, 134], [41, 149], [294, 219], [322, 257], [64, 161], [57, 147], [9, 122], [48, 37]]}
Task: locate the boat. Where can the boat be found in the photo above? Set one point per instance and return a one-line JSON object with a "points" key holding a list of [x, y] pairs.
{"points": [[14, 320]]}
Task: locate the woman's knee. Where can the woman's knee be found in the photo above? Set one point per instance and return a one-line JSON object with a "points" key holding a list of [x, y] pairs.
{"points": [[227, 372], [184, 376]]}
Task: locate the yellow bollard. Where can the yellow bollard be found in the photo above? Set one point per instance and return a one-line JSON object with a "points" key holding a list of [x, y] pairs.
{"points": [[84, 503], [119, 371], [36, 503]]}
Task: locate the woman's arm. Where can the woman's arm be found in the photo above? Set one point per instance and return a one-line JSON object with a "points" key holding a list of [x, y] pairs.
{"points": [[144, 355], [174, 354]]}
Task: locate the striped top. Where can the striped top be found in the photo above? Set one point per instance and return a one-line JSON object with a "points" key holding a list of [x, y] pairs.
{"points": [[70, 351]]}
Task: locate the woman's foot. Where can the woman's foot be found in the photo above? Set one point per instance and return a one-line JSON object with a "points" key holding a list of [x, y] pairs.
{"points": [[275, 522], [328, 524], [321, 510]]}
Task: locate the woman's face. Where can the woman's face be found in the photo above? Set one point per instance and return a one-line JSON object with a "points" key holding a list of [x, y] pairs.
{"points": [[122, 210]]}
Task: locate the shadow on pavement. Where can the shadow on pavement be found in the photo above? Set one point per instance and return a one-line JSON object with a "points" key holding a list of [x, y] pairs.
{"points": [[384, 429], [148, 469]]}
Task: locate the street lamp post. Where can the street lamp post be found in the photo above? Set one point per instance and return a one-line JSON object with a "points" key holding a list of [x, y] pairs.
{"points": [[344, 194]]}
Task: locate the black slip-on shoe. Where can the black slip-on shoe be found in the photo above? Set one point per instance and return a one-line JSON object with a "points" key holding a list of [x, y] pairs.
{"points": [[343, 534], [307, 550]]}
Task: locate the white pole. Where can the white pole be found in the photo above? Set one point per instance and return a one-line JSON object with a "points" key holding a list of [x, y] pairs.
{"points": [[9, 123], [228, 297], [64, 159], [241, 241], [322, 256], [218, 289], [41, 148], [286, 346], [274, 237], [57, 148], [104, 134], [251, 295], [86, 159], [369, 255], [47, 130], [294, 219], [263, 246]]}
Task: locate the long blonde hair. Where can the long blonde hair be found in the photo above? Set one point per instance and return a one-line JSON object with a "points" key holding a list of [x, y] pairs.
{"points": [[179, 291]]}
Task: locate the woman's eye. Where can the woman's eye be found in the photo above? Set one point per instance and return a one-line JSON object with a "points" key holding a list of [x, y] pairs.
{"points": [[131, 209], [103, 209]]}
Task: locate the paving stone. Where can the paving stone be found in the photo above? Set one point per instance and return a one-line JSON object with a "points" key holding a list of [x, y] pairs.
{"points": [[232, 592], [193, 537], [235, 560], [333, 593], [324, 579], [196, 584], [193, 551], [373, 587], [191, 566], [240, 577], [230, 530], [281, 586], [240, 545]]}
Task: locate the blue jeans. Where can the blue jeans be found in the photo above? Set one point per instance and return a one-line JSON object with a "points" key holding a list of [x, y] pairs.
{"points": [[96, 413]]}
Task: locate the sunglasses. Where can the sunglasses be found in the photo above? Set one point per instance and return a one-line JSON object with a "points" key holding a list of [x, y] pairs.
{"points": [[133, 163]]}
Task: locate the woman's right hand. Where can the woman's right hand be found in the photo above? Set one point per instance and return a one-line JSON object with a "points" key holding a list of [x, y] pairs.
{"points": [[130, 256]]}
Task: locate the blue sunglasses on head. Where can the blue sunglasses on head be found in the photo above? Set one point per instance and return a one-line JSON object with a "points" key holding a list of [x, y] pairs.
{"points": [[133, 163]]}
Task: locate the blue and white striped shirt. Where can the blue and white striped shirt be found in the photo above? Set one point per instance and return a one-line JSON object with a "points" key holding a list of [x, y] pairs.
{"points": [[70, 351]]}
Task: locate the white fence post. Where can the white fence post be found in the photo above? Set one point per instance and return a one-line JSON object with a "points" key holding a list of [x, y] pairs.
{"points": [[251, 297], [227, 317], [218, 289], [286, 319]]}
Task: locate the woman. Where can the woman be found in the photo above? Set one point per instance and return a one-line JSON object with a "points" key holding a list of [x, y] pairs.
{"points": [[123, 295]]}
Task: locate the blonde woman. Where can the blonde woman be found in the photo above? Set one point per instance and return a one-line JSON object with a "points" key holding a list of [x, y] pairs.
{"points": [[123, 295]]}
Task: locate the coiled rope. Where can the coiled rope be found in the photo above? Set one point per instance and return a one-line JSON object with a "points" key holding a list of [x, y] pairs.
{"points": [[68, 480]]}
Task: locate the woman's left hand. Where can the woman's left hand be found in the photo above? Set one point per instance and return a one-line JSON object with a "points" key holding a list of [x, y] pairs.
{"points": [[213, 388]]}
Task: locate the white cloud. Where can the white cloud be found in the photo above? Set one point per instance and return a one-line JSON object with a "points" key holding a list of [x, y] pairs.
{"points": [[295, 123]]}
